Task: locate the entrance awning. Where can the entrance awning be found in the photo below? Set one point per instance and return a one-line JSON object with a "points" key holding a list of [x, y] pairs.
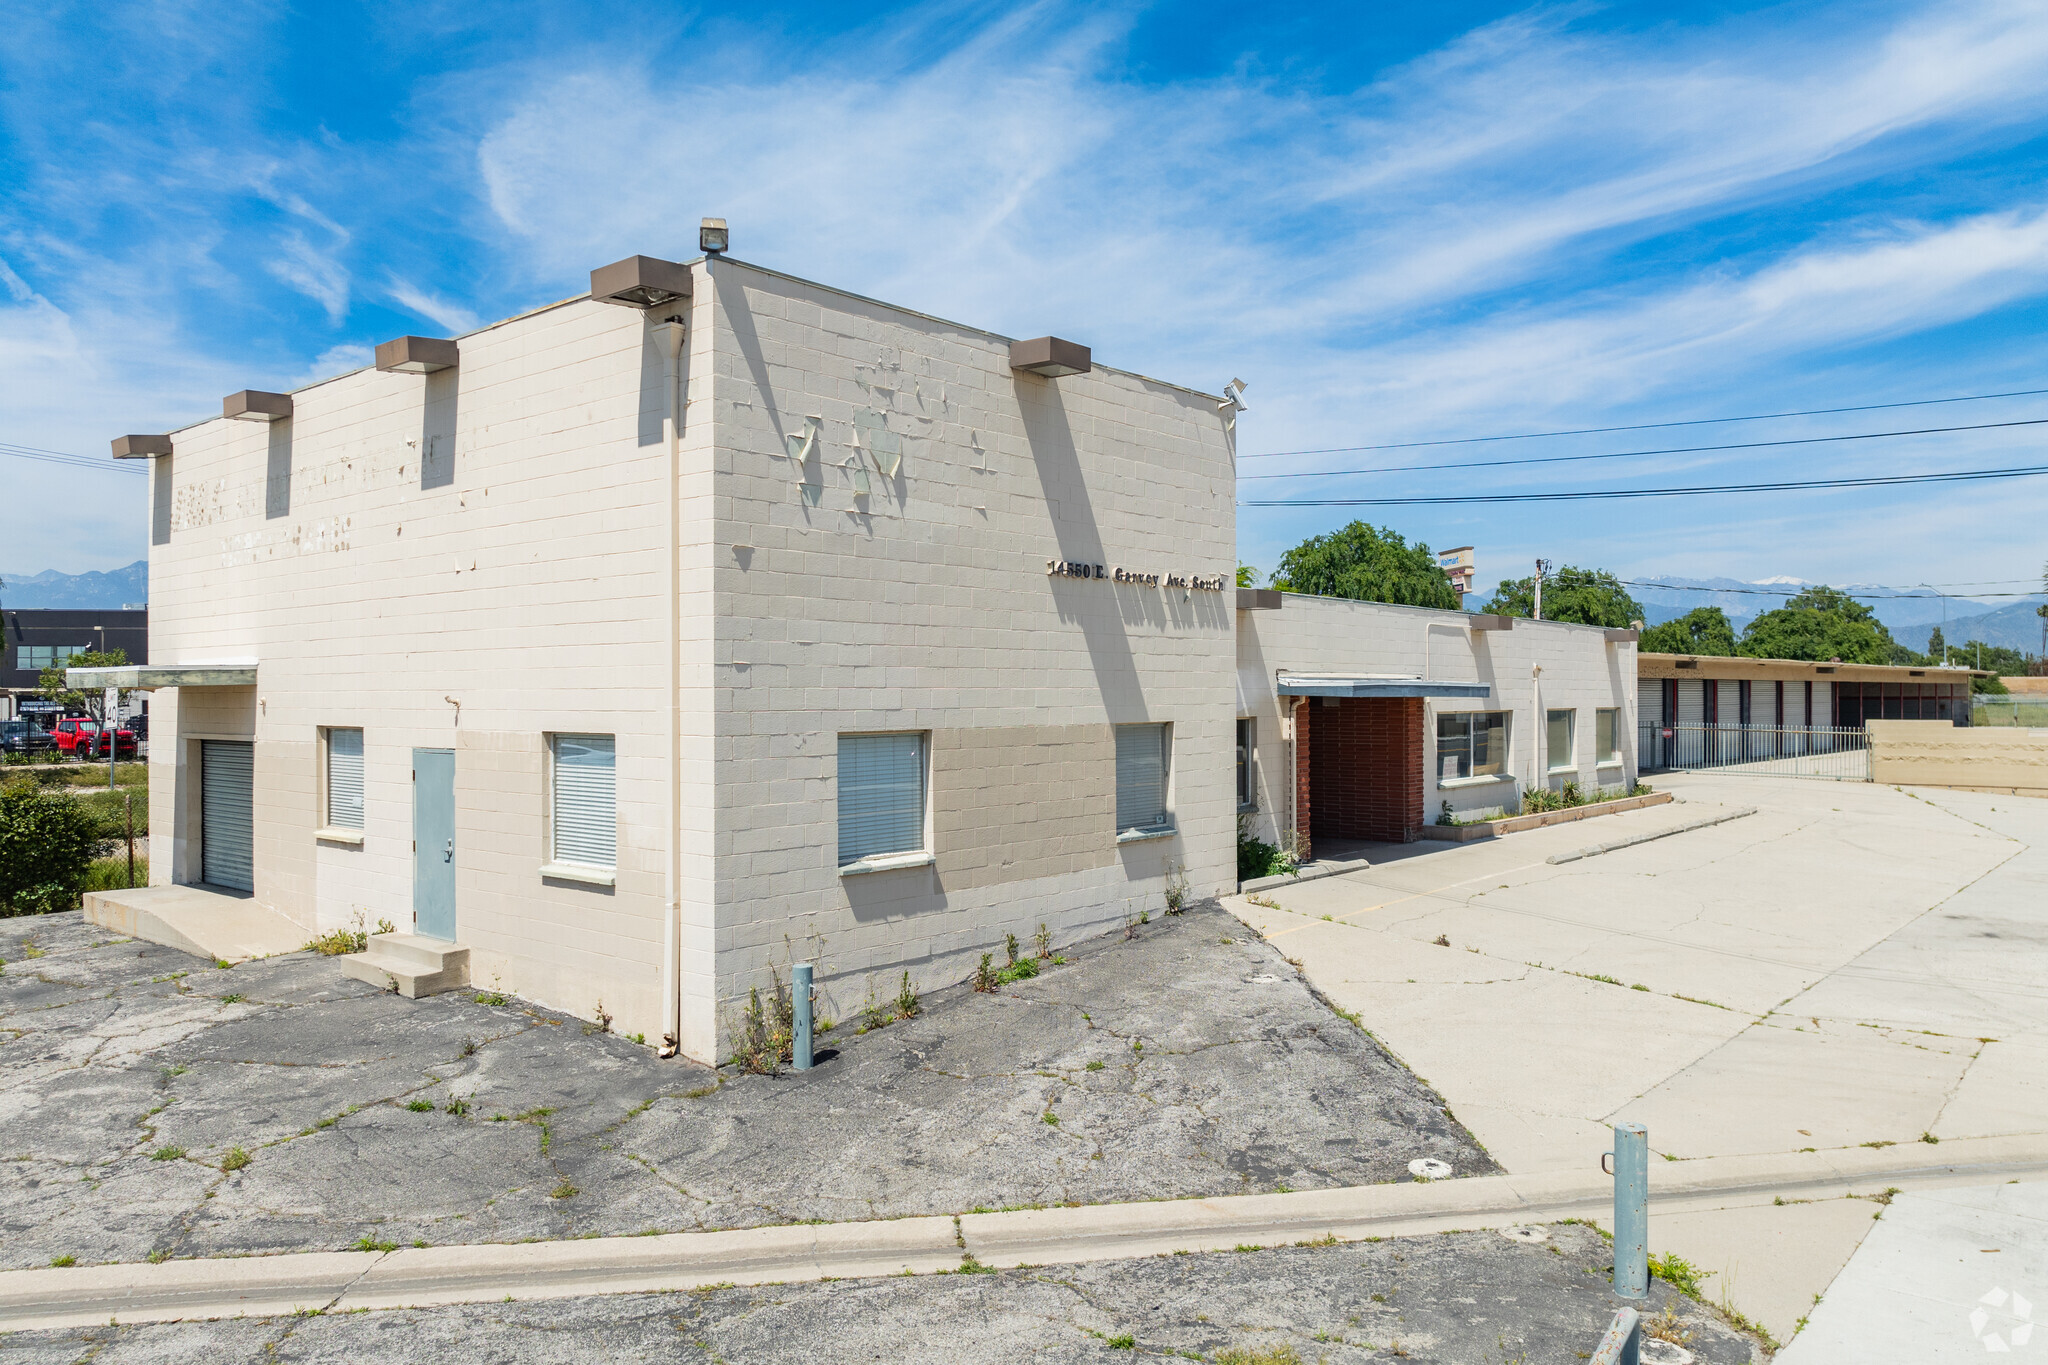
{"points": [[1375, 685], [236, 673]]}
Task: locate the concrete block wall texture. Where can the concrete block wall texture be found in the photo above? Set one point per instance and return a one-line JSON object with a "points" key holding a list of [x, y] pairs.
{"points": [[480, 559], [925, 604], [1532, 668], [471, 562], [1935, 753]]}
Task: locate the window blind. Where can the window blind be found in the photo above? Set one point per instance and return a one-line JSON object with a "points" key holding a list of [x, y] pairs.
{"points": [[345, 779], [586, 800], [1140, 777], [881, 795]]}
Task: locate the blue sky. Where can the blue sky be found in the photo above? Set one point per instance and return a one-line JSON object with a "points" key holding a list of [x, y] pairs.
{"points": [[1397, 223]]}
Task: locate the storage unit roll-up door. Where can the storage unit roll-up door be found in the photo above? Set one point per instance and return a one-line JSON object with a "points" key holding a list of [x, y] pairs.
{"points": [[586, 800], [226, 778]]}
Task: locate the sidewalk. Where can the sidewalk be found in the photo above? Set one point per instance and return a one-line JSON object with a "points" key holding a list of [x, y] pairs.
{"points": [[1852, 965]]}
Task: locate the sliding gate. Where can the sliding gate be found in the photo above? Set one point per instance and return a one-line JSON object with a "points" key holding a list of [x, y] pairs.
{"points": [[1840, 753]]}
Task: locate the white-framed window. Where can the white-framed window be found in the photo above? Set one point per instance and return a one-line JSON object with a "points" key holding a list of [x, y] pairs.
{"points": [[1607, 735], [1247, 769], [1558, 738], [1144, 758], [344, 779], [1471, 744], [583, 825], [882, 793]]}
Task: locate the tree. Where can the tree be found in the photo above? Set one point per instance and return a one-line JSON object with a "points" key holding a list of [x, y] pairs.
{"points": [[1588, 597], [1247, 576], [52, 686], [1935, 644], [1703, 630], [1368, 564], [1819, 623], [46, 845]]}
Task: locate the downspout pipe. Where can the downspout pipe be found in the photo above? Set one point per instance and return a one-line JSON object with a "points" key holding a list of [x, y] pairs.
{"points": [[669, 336]]}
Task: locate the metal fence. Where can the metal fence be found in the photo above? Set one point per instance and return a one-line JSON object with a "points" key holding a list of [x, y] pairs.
{"points": [[2024, 710], [1839, 753]]}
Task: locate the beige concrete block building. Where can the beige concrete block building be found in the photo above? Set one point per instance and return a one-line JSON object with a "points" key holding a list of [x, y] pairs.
{"points": [[641, 648], [1361, 721]]}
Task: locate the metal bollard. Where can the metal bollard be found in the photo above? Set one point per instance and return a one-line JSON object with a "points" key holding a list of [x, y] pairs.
{"points": [[1631, 1172], [800, 1027], [1623, 1344]]}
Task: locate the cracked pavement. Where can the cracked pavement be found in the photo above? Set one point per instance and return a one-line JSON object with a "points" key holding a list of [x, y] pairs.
{"points": [[1190, 1061], [1463, 1298], [1854, 965]]}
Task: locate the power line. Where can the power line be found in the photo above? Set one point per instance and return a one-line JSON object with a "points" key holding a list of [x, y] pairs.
{"points": [[1794, 592], [1631, 454], [60, 457], [1644, 426], [1959, 476]]}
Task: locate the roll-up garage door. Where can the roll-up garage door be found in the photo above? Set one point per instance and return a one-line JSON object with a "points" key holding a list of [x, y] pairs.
{"points": [[226, 777]]}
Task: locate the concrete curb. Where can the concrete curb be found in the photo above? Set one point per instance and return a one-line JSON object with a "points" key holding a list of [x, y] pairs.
{"points": [[1598, 849], [1312, 872], [315, 1281]]}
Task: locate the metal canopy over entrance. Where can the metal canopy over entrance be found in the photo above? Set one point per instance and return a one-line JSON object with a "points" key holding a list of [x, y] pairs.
{"points": [[1375, 685]]}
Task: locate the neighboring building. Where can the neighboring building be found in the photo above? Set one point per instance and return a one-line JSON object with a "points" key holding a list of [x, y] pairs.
{"points": [[643, 650], [1459, 566], [1735, 693], [36, 640], [1361, 720]]}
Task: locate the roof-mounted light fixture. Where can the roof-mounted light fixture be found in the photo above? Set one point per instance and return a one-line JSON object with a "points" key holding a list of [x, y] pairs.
{"points": [[1050, 357], [141, 447], [417, 355], [254, 405], [640, 282], [712, 237]]}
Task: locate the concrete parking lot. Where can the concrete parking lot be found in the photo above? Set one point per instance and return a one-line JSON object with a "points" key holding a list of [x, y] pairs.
{"points": [[1456, 1299], [1190, 1060], [1853, 965]]}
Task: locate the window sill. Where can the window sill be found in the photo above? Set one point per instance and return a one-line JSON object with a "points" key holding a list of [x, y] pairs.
{"points": [[1248, 808], [580, 872], [1139, 836], [352, 837], [1564, 770], [886, 862], [1609, 763], [1483, 780]]}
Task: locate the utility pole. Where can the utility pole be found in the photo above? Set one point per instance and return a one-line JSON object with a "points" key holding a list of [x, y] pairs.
{"points": [[1542, 568]]}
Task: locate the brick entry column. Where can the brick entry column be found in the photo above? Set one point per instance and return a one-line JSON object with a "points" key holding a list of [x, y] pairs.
{"points": [[1362, 779], [1303, 843]]}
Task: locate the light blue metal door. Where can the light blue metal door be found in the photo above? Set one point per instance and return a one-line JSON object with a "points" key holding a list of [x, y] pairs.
{"points": [[433, 842]]}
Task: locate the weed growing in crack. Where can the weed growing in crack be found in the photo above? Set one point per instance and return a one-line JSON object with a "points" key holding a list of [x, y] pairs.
{"points": [[167, 1154], [907, 1004], [1283, 1354], [1044, 940], [469, 1047], [493, 998], [457, 1106], [699, 1093], [1051, 1118], [1010, 943], [63, 1262], [159, 1256], [366, 1243], [235, 1160], [563, 1191], [985, 973], [1679, 1273], [1095, 1066], [233, 999], [421, 1106]]}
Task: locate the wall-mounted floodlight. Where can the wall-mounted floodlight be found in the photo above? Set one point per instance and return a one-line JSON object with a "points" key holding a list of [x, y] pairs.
{"points": [[1233, 396], [712, 237], [1050, 357], [640, 282], [253, 405], [417, 355], [141, 447]]}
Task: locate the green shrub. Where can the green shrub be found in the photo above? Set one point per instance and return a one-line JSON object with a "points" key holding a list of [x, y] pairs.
{"points": [[111, 874], [46, 847]]}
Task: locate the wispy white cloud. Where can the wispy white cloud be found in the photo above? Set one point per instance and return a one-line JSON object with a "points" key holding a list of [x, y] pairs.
{"points": [[314, 273], [449, 316]]}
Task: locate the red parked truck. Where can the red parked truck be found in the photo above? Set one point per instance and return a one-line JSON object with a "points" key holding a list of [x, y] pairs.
{"points": [[80, 738]]}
